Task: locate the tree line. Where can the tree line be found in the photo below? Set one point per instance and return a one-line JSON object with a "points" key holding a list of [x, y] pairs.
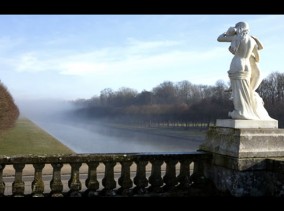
{"points": [[181, 102]]}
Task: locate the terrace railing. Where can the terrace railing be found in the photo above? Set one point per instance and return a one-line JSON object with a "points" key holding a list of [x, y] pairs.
{"points": [[138, 174]]}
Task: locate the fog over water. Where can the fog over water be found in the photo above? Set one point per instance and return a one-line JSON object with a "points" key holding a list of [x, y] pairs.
{"points": [[83, 136]]}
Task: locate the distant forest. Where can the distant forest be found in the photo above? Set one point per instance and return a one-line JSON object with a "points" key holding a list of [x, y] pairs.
{"points": [[181, 103]]}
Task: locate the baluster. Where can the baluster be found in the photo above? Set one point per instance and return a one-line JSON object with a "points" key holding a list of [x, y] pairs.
{"points": [[92, 183], [170, 178], [200, 186], [183, 177], [56, 185], [74, 183], [125, 181], [18, 186], [2, 184], [197, 176], [37, 184], [155, 179], [108, 181], [140, 180]]}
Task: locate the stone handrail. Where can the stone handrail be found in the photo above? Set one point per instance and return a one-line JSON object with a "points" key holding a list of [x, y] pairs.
{"points": [[137, 183]]}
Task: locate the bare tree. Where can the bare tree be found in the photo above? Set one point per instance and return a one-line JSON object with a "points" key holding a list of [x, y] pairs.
{"points": [[185, 91], [165, 93], [125, 97], [144, 98], [106, 96]]}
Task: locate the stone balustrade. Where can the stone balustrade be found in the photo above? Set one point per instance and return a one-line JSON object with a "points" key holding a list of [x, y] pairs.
{"points": [[181, 173]]}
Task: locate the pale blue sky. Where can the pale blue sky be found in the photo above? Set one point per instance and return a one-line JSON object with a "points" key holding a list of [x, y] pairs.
{"points": [[76, 56]]}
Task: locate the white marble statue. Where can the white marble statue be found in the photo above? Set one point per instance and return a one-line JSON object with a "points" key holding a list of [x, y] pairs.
{"points": [[244, 73]]}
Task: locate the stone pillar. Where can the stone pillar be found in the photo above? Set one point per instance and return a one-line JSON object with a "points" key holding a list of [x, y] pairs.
{"points": [[2, 184], [92, 182], [74, 183], [108, 181], [140, 180], [170, 177], [244, 157], [184, 175], [125, 180], [38, 184], [18, 186], [156, 179], [56, 184]]}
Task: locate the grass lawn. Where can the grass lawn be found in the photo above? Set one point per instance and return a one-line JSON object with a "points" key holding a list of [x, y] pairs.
{"points": [[28, 139]]}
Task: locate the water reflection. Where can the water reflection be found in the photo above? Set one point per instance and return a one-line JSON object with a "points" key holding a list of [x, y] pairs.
{"points": [[86, 138]]}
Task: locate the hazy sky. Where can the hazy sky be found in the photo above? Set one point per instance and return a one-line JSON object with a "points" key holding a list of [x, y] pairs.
{"points": [[76, 56]]}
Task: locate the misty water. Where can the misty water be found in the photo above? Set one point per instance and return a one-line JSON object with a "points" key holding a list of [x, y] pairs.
{"points": [[90, 137]]}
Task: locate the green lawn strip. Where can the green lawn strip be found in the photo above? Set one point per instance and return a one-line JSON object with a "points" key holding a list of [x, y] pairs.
{"points": [[28, 139]]}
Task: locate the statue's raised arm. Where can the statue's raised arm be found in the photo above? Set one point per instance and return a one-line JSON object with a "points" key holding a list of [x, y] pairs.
{"points": [[227, 36]]}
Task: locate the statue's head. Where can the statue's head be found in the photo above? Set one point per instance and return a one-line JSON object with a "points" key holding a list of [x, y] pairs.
{"points": [[242, 27]]}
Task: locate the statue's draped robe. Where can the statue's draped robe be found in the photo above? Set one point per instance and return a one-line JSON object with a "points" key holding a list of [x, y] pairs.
{"points": [[247, 103]]}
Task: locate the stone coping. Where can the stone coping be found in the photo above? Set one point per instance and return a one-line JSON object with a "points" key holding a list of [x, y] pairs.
{"points": [[238, 123]]}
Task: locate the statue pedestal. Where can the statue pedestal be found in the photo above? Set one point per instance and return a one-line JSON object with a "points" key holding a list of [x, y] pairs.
{"points": [[245, 156], [237, 123]]}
